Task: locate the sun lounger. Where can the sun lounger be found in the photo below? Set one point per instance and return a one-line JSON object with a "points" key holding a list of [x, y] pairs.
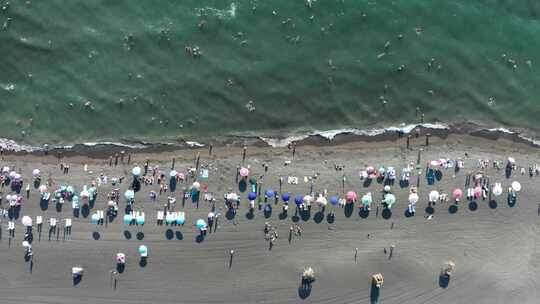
{"points": [[160, 217], [180, 220]]}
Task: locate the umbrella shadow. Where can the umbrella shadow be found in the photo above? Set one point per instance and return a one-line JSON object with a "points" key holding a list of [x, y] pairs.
{"points": [[386, 213], [367, 182], [140, 236], [43, 204], [169, 234], [179, 235], [250, 215], [283, 215], [143, 262], [77, 279], [404, 183], [76, 212], [452, 209], [430, 210], [407, 213], [304, 291], [508, 172], [374, 294], [242, 185], [363, 213], [85, 210], [14, 212], [120, 267], [348, 210], [473, 206], [295, 218], [511, 201], [230, 214], [444, 280], [305, 215], [330, 218], [96, 236], [58, 207], [318, 217], [127, 235], [380, 179], [267, 211], [199, 238], [438, 175], [493, 204]]}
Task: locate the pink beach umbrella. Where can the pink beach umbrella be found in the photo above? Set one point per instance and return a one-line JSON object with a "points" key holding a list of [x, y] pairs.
{"points": [[351, 196], [42, 189], [244, 172], [26, 221], [457, 194]]}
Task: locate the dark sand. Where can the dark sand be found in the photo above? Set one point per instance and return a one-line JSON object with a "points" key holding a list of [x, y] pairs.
{"points": [[496, 249]]}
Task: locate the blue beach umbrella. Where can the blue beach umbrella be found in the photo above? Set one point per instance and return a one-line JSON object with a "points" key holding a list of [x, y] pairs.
{"points": [[269, 193], [95, 218], [285, 197], [298, 200], [200, 224], [333, 201], [136, 171], [252, 196]]}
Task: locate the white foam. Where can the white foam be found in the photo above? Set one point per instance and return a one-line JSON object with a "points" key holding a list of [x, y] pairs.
{"points": [[503, 130], [8, 86], [331, 134], [194, 144]]}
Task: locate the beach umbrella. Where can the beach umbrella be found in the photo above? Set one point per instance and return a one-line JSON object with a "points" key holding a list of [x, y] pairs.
{"points": [[232, 197], [497, 189], [111, 204], [516, 186], [252, 196], [127, 219], [129, 194], [298, 200], [387, 188], [321, 201], [120, 258], [26, 244], [136, 171], [181, 176], [70, 189], [200, 224], [196, 186], [84, 194], [244, 172], [351, 196], [140, 220], [26, 221], [390, 199], [367, 199], [477, 191], [42, 189], [172, 173], [17, 176], [511, 160], [5, 169], [434, 196], [12, 174], [35, 172], [143, 251], [434, 163], [75, 199], [308, 199], [269, 193], [457, 194], [413, 198], [334, 200], [95, 218], [285, 197], [77, 271], [363, 174]]}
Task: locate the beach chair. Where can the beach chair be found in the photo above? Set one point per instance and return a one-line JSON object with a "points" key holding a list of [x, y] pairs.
{"points": [[160, 217]]}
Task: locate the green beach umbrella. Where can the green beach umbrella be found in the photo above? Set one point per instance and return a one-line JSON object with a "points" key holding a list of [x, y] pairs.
{"points": [[390, 199]]}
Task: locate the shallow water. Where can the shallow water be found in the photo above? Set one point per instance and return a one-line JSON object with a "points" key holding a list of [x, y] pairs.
{"points": [[334, 65]]}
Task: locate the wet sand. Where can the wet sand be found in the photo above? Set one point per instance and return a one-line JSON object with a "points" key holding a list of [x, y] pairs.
{"points": [[496, 247]]}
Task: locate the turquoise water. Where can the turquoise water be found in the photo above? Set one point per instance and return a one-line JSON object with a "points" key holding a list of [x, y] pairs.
{"points": [[346, 63]]}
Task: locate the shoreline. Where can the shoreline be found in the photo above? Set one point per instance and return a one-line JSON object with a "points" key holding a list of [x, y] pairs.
{"points": [[99, 150]]}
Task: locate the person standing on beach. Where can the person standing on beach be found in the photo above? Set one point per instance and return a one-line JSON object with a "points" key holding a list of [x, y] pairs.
{"points": [[116, 159]]}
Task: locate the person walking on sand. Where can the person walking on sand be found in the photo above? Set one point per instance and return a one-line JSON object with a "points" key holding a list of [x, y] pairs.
{"points": [[231, 254]]}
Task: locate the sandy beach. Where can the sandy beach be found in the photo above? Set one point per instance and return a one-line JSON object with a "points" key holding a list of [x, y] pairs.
{"points": [[495, 246]]}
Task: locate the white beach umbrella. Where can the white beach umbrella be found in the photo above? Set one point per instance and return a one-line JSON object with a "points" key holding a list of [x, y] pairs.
{"points": [[196, 186], [321, 201], [35, 172], [516, 186], [413, 198], [511, 160], [26, 221], [434, 196], [497, 189]]}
